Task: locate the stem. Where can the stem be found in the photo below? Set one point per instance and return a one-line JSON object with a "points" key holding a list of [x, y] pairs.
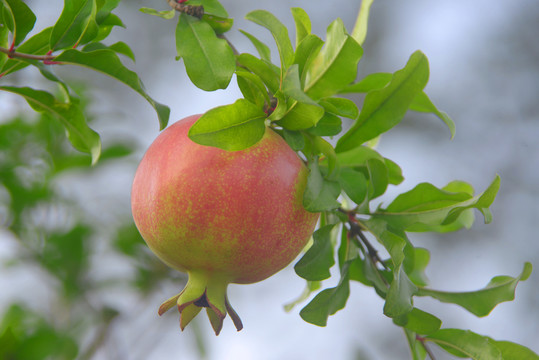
{"points": [[193, 10], [423, 342], [359, 33], [13, 54]]}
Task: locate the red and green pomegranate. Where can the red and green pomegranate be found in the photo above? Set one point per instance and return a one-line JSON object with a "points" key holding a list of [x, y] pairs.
{"points": [[220, 216]]}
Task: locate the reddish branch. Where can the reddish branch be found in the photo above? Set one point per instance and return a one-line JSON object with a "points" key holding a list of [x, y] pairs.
{"points": [[193, 10], [11, 53]]}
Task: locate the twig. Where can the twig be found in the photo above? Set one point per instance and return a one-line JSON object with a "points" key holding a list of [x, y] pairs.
{"points": [[13, 54], [423, 341], [193, 10]]}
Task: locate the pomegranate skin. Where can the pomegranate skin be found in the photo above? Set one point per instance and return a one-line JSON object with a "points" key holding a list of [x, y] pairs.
{"points": [[222, 217]]}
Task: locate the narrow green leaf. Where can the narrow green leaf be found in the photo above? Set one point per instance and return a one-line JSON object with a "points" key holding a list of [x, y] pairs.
{"points": [[292, 86], [422, 103], [483, 301], [209, 60], [464, 343], [279, 32], [378, 179], [385, 108], [512, 351], [320, 194], [230, 127], [426, 208], [335, 66], [360, 28], [263, 49], [306, 51], [311, 287], [341, 107], [327, 302], [315, 264], [107, 62], [4, 34], [165, 14], [303, 24], [371, 82], [358, 156], [19, 19], [416, 267], [70, 114], [269, 74], [76, 21], [419, 321]]}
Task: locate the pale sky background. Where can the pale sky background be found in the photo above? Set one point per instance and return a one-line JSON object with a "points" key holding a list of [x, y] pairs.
{"points": [[484, 59]]}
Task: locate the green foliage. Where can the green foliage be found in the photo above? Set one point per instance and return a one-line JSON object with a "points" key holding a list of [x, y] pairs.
{"points": [[81, 22], [303, 98]]}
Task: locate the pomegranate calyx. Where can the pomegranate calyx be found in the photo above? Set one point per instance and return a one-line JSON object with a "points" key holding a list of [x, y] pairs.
{"points": [[203, 291]]}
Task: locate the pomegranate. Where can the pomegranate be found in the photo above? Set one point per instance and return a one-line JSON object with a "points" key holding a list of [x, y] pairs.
{"points": [[222, 217]]}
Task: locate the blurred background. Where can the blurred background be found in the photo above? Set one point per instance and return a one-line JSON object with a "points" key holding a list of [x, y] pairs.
{"points": [[75, 272]]}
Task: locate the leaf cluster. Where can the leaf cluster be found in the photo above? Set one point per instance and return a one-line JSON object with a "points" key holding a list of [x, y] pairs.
{"points": [[76, 38], [304, 99]]}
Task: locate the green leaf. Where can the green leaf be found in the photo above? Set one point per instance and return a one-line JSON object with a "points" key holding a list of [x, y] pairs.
{"points": [[402, 289], [76, 22], [328, 125], [335, 66], [107, 62], [303, 24], [70, 114], [165, 14], [19, 19], [230, 127], [481, 302], [119, 47], [269, 74], [301, 116], [419, 321], [360, 27], [279, 32], [318, 259], [465, 343], [209, 60], [371, 82], [394, 172], [378, 179], [36, 45], [327, 302], [4, 34], [219, 24], [422, 103], [263, 49], [426, 207], [385, 108], [512, 351], [292, 86], [320, 193], [309, 289], [415, 263], [252, 87], [341, 107], [354, 184], [306, 51], [294, 139], [358, 156]]}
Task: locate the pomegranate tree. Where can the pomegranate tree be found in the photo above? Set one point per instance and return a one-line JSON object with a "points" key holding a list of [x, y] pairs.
{"points": [[220, 216]]}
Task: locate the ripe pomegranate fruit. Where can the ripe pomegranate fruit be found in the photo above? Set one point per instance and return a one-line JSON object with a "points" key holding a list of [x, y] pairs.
{"points": [[223, 217]]}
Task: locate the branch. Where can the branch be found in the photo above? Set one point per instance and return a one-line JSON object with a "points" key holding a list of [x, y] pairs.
{"points": [[47, 59], [193, 10]]}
